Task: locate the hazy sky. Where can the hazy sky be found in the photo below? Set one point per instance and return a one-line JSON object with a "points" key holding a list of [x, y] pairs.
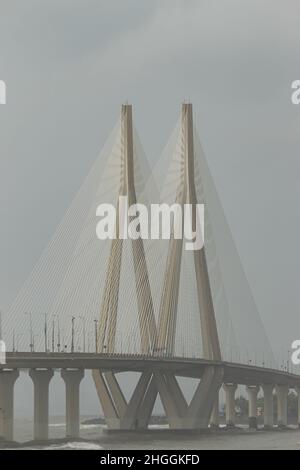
{"points": [[68, 66]]}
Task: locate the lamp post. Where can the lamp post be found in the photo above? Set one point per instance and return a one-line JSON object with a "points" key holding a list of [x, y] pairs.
{"points": [[45, 331], [14, 342], [84, 330], [31, 345], [53, 333], [58, 332], [73, 334]]}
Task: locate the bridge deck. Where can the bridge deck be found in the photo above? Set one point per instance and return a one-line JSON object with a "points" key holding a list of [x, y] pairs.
{"points": [[233, 372]]}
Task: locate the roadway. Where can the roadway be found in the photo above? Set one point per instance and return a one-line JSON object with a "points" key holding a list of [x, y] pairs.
{"points": [[186, 367]]}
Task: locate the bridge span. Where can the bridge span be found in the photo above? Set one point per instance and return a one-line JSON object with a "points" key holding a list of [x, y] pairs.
{"points": [[158, 375]]}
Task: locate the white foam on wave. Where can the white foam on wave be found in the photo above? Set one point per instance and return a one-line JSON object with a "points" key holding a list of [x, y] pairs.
{"points": [[75, 446], [91, 426]]}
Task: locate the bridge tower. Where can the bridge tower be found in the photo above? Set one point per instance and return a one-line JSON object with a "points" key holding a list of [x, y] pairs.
{"points": [[136, 413], [186, 194], [120, 414], [109, 307]]}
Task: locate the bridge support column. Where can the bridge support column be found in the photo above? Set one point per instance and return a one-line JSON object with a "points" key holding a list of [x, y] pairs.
{"points": [[72, 379], [41, 379], [252, 391], [297, 389], [268, 405], [7, 382], [282, 395], [230, 390], [215, 417]]}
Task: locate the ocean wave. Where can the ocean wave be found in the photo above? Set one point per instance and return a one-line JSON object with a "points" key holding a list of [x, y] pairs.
{"points": [[75, 446]]}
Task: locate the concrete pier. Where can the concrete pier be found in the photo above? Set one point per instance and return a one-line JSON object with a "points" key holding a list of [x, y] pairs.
{"points": [[215, 417], [252, 391], [268, 405], [230, 390], [41, 379], [282, 394], [297, 390], [72, 379], [7, 382]]}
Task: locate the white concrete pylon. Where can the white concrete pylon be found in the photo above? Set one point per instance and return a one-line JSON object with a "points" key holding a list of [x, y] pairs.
{"points": [[41, 380], [282, 396], [268, 390], [7, 382], [110, 300], [252, 391], [215, 415], [297, 389], [230, 390], [72, 379], [186, 194]]}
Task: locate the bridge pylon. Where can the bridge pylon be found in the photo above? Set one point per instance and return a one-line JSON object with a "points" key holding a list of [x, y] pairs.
{"points": [[110, 300], [136, 413], [186, 194]]}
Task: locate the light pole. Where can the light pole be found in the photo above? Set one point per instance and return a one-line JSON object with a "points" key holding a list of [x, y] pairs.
{"points": [[58, 334], [53, 333], [73, 334], [31, 345], [45, 331], [96, 335], [58, 331], [84, 330]]}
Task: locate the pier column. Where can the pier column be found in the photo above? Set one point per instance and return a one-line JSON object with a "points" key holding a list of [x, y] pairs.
{"points": [[282, 395], [72, 379], [297, 389], [7, 382], [252, 391], [41, 379], [215, 417], [230, 390], [268, 405]]}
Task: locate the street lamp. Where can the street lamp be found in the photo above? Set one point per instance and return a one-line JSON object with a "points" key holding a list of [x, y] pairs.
{"points": [[58, 331], [31, 345], [14, 343], [45, 331], [73, 334], [84, 330]]}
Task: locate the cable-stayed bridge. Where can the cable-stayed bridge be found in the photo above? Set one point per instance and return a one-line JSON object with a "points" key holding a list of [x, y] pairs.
{"points": [[148, 306]]}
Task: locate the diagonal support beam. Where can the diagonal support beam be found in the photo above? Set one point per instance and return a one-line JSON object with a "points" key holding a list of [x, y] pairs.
{"points": [[118, 413], [197, 414]]}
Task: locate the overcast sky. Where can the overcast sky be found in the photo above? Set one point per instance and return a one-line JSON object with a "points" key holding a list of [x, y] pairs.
{"points": [[68, 66]]}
